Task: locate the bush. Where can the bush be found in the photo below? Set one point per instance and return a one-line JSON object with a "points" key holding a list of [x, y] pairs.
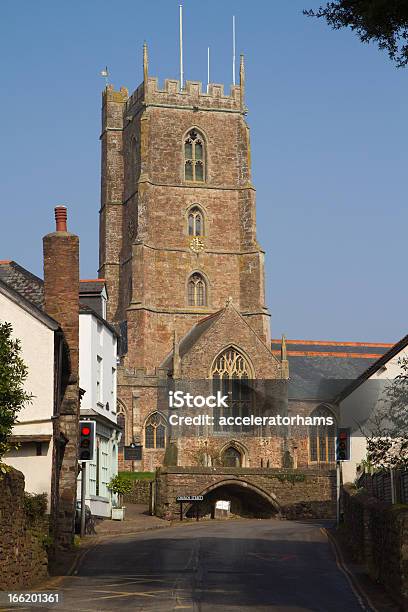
{"points": [[120, 486], [35, 506]]}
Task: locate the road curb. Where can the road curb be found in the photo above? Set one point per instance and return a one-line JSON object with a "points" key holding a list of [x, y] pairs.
{"points": [[352, 579]]}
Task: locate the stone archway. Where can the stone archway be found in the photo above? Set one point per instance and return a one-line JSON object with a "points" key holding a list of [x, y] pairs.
{"points": [[247, 500]]}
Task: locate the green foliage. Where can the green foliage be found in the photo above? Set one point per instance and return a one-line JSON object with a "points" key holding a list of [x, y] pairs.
{"points": [[384, 22], [47, 541], [290, 477], [386, 430], [35, 506], [13, 396], [120, 485], [137, 475]]}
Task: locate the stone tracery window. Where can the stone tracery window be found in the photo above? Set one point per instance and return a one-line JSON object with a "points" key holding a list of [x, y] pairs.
{"points": [[195, 222], [194, 157], [322, 439], [230, 373], [197, 290], [155, 431]]}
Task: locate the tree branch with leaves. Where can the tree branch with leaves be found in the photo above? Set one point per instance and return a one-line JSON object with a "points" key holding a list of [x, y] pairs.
{"points": [[13, 396], [386, 430], [384, 22]]}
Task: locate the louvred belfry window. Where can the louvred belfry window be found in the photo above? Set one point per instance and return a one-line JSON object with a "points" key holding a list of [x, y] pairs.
{"points": [[195, 222], [194, 157], [197, 290]]}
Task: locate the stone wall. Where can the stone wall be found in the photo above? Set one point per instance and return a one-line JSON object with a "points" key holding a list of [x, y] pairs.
{"points": [[292, 494], [23, 557], [377, 535], [140, 493]]}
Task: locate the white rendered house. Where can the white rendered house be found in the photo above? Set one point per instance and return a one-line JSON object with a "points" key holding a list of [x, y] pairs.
{"points": [[39, 335], [97, 380], [359, 401]]}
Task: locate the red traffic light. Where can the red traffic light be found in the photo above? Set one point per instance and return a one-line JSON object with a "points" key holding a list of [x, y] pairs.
{"points": [[86, 442]]}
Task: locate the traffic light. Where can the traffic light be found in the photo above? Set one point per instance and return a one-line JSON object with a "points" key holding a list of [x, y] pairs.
{"points": [[343, 445], [86, 440]]}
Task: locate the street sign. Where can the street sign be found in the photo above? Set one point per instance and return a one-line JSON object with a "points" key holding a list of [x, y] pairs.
{"points": [[187, 498]]}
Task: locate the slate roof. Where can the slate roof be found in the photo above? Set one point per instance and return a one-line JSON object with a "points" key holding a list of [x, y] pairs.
{"points": [[383, 360], [85, 309], [31, 288], [320, 370], [192, 336], [23, 282], [28, 306], [94, 286]]}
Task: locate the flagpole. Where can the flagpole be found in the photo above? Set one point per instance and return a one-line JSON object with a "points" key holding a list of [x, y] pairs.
{"points": [[181, 49], [208, 67], [233, 49]]}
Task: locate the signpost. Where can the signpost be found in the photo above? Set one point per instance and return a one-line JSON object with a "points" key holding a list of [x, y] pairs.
{"points": [[133, 452], [189, 498]]}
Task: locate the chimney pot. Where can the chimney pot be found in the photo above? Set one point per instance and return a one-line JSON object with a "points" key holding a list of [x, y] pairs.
{"points": [[61, 218]]}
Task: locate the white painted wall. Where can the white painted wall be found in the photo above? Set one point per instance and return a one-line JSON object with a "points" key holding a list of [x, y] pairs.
{"points": [[97, 341], [37, 344], [356, 409]]}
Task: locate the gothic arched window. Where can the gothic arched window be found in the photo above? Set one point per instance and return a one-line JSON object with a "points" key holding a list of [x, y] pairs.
{"points": [[230, 373], [155, 431], [231, 457], [194, 157], [197, 290], [195, 222], [322, 438]]}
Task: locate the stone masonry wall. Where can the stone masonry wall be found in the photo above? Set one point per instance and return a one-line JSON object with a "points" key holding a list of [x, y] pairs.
{"points": [[140, 493], [293, 494], [377, 535], [23, 557]]}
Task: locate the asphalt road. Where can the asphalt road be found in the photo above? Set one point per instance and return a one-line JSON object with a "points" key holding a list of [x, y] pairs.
{"points": [[228, 566]]}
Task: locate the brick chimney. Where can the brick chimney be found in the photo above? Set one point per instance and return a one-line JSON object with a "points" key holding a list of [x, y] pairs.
{"points": [[61, 282], [61, 301]]}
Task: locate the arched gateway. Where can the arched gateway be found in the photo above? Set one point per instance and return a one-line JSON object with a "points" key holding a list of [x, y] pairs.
{"points": [[246, 499]]}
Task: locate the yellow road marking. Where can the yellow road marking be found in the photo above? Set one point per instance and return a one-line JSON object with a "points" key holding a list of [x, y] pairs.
{"points": [[357, 590]]}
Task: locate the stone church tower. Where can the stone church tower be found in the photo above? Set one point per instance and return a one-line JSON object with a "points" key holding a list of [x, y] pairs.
{"points": [[178, 246]]}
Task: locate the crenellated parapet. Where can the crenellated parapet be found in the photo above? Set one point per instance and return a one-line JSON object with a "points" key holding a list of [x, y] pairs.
{"points": [[110, 95], [143, 377], [191, 97]]}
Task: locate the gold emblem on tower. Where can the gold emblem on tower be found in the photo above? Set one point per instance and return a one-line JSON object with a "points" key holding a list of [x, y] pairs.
{"points": [[197, 244]]}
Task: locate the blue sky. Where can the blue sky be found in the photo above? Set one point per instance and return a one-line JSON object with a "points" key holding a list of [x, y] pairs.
{"points": [[328, 130]]}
